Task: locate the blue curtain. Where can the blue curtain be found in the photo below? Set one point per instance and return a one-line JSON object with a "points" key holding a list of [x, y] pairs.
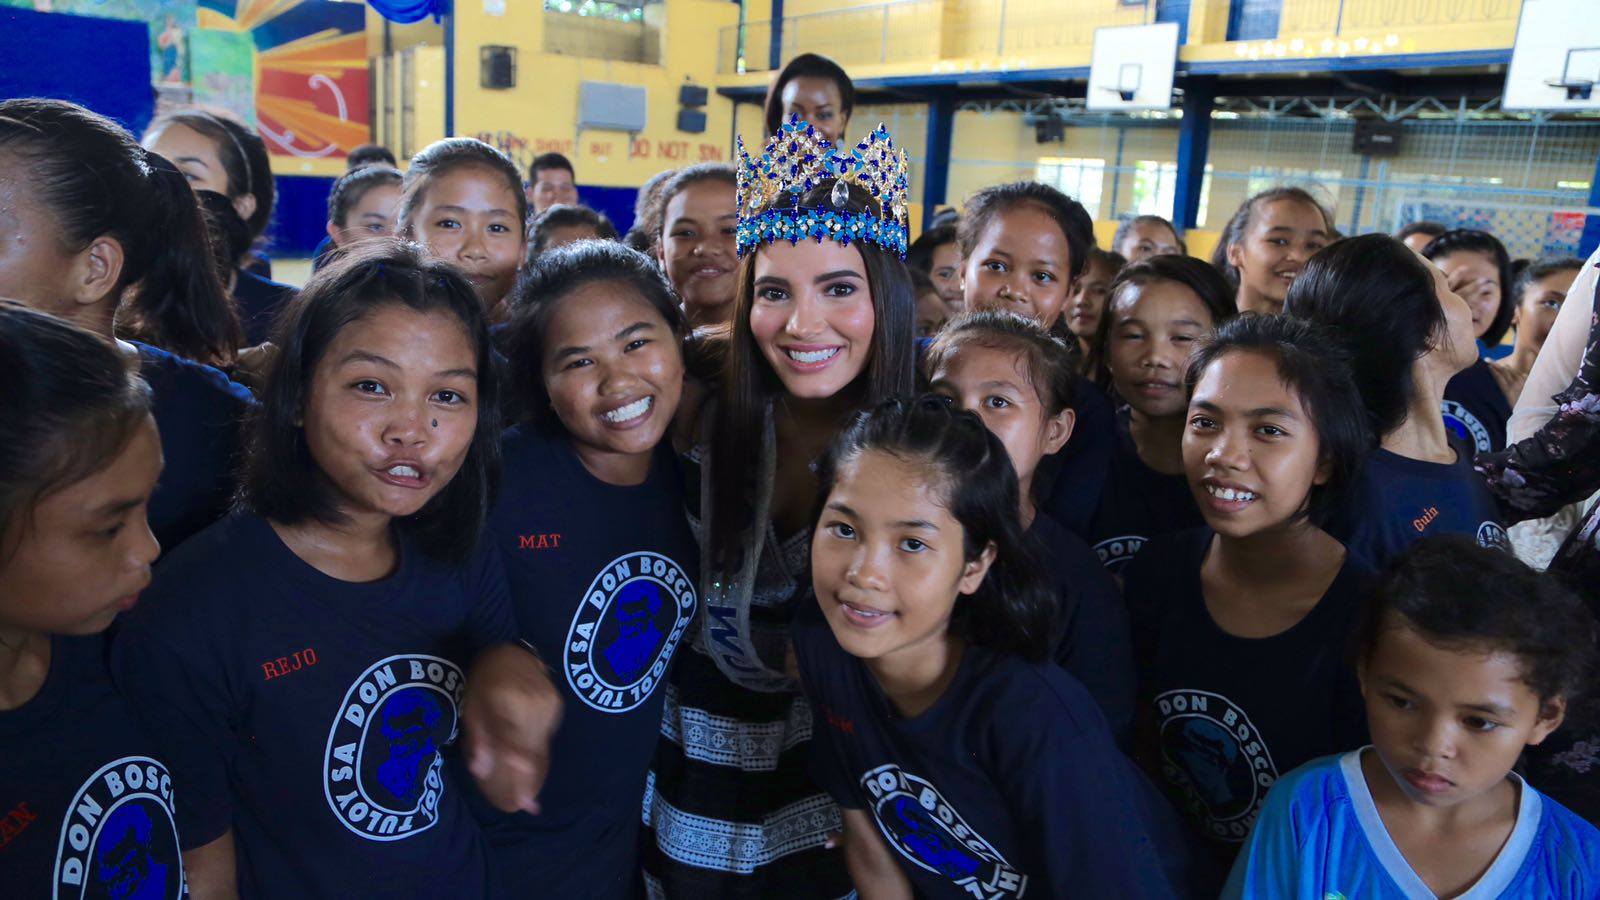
{"points": [[407, 11]]}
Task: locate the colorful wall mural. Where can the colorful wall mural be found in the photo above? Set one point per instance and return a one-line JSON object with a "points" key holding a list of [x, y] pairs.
{"points": [[295, 69]]}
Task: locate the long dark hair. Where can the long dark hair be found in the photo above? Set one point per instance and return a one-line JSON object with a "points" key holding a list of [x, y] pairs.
{"points": [[243, 153], [1471, 240], [1012, 609], [1379, 301], [282, 481], [95, 181], [749, 385], [1218, 297], [70, 404], [808, 65]]}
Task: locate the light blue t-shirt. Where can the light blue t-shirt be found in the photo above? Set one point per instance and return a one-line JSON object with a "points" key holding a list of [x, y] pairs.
{"points": [[1319, 838]]}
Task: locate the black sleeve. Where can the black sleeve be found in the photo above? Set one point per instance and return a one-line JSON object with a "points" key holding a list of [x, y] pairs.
{"points": [[1095, 647], [815, 653], [489, 618]]}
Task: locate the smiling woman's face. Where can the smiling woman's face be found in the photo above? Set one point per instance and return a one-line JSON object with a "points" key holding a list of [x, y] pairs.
{"points": [[812, 315]]}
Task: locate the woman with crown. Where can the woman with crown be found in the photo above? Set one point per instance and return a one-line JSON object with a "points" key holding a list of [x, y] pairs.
{"points": [[824, 326]]}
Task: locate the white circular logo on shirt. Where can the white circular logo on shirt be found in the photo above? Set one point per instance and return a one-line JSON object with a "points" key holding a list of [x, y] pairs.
{"points": [[1466, 426], [1115, 552], [382, 773], [625, 629], [1491, 535], [118, 838], [925, 829], [1213, 753]]}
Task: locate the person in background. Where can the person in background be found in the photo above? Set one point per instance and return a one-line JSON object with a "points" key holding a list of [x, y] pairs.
{"points": [[361, 205], [937, 254], [1144, 236], [1467, 659], [370, 154], [646, 228], [1267, 242], [551, 182], [561, 225], [1407, 334], [816, 89], [255, 299], [1088, 299], [1417, 235], [931, 309], [1477, 402], [695, 241]]}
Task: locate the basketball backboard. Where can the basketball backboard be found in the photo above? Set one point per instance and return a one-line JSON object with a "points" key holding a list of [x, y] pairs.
{"points": [[1555, 63], [1132, 67]]}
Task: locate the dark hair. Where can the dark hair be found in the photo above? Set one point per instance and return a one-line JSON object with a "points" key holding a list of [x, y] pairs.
{"points": [[1245, 214], [950, 216], [370, 154], [807, 65], [749, 384], [1431, 229], [1069, 215], [1379, 300], [1216, 295], [70, 404], [564, 215], [230, 236], [1012, 609], [1051, 365], [354, 184], [1127, 225], [647, 206], [546, 161], [1311, 363], [920, 257], [282, 481], [538, 294], [1456, 594], [95, 181], [1470, 240], [1116, 261], [445, 156], [700, 173], [921, 284], [1540, 269], [245, 162]]}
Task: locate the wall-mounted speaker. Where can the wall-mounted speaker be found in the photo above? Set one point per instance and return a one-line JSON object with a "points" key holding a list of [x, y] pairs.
{"points": [[692, 95], [497, 67], [1377, 137]]}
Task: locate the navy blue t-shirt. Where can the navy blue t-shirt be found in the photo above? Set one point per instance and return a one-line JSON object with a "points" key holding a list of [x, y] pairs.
{"points": [[198, 412], [1137, 503], [1230, 714], [1476, 410], [1009, 783], [308, 714], [85, 796], [602, 583], [1091, 639], [1398, 501], [259, 300], [1077, 474]]}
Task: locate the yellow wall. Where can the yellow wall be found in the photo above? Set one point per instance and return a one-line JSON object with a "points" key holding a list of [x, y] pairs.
{"points": [[538, 115]]}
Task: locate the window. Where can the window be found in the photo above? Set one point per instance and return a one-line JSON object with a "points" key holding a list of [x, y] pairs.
{"points": [[1080, 179]]}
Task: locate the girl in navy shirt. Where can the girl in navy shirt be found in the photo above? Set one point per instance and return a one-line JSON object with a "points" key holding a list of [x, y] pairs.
{"points": [[1243, 623], [1156, 313], [303, 661], [120, 238], [1019, 380], [1477, 401], [963, 766], [85, 796], [601, 564], [462, 199], [1407, 334], [1023, 245], [1466, 658]]}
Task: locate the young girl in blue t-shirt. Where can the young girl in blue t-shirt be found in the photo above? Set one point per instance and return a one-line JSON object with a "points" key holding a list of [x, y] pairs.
{"points": [[962, 765], [1466, 657]]}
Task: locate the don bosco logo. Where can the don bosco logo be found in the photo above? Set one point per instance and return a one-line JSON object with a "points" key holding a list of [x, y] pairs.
{"points": [[1212, 751], [1115, 552], [625, 629], [925, 829], [117, 839], [382, 777], [1466, 426]]}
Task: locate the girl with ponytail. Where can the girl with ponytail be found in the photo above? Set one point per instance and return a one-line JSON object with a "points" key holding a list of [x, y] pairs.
{"points": [[961, 761], [100, 232]]}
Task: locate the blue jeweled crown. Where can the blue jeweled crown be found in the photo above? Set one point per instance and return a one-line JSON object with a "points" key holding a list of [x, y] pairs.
{"points": [[797, 160]]}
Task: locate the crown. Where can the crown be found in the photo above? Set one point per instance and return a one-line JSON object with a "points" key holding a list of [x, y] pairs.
{"points": [[797, 160]]}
